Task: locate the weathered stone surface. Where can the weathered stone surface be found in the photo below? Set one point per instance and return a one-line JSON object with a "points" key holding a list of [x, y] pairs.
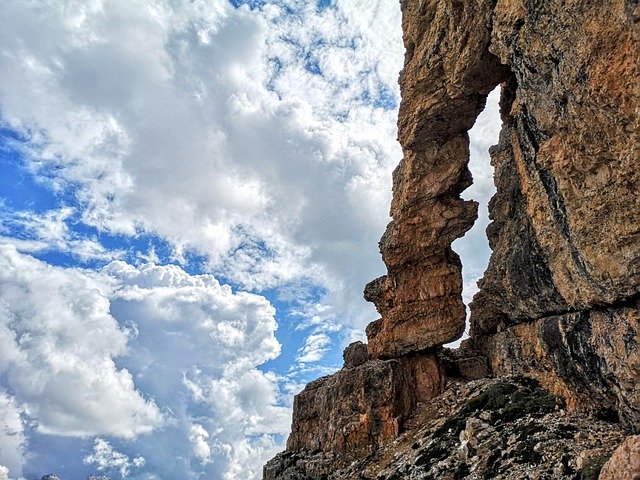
{"points": [[350, 414], [361, 407], [499, 429], [559, 300], [565, 234], [447, 75], [465, 362], [355, 355], [624, 464], [590, 358]]}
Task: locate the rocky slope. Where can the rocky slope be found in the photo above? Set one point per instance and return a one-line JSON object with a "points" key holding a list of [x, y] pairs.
{"points": [[559, 301], [501, 429]]}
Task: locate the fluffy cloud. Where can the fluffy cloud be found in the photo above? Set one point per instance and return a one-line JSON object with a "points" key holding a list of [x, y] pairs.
{"points": [[59, 344], [199, 436], [12, 436], [265, 146], [105, 458], [191, 344], [196, 347], [315, 346], [261, 140]]}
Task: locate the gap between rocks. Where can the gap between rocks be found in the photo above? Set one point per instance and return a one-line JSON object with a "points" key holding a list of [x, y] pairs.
{"points": [[473, 248]]}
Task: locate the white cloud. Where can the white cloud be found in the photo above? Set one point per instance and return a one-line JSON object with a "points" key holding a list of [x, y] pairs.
{"points": [[59, 347], [197, 345], [173, 119], [314, 348], [106, 458], [199, 438], [49, 231], [12, 436], [190, 344]]}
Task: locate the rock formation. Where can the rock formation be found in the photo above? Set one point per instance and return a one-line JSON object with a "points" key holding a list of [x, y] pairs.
{"points": [[624, 464], [560, 300]]}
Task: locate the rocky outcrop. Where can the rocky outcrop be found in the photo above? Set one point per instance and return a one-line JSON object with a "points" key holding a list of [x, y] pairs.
{"points": [[590, 358], [624, 464], [352, 413], [559, 300], [565, 234], [503, 429], [447, 75]]}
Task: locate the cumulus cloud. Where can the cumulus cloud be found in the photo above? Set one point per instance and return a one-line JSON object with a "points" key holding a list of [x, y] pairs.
{"points": [[231, 132], [106, 458], [261, 139], [78, 347], [59, 344], [12, 436], [314, 348], [199, 436], [196, 348]]}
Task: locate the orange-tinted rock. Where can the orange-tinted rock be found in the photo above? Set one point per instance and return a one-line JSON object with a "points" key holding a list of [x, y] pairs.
{"points": [[348, 415], [447, 75], [565, 234], [624, 464], [362, 406]]}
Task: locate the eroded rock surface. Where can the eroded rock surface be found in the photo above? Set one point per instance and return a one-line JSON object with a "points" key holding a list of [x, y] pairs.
{"points": [[447, 75], [566, 232], [624, 464], [590, 358], [352, 413], [507, 429], [559, 300]]}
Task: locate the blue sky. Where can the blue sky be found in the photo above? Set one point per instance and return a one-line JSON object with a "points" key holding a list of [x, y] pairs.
{"points": [[191, 199]]}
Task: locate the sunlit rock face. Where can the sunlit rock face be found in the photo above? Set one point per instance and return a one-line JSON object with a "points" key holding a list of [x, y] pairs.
{"points": [[565, 232], [447, 75], [347, 416], [559, 300]]}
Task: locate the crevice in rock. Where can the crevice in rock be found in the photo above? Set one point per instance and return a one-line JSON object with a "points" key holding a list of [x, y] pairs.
{"points": [[473, 248]]}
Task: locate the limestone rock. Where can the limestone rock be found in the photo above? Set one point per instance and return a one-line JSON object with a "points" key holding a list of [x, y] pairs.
{"points": [[444, 85], [350, 414], [355, 355], [590, 358], [503, 429], [466, 362], [624, 464], [565, 234], [559, 300]]}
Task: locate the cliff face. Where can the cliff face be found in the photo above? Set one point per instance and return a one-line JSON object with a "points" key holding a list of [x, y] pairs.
{"points": [[560, 298]]}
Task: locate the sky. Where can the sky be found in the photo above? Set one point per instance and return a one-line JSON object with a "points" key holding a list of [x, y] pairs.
{"points": [[191, 197]]}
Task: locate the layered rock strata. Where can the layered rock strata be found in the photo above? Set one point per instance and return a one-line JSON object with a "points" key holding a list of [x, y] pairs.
{"points": [[590, 358], [352, 413], [559, 300]]}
